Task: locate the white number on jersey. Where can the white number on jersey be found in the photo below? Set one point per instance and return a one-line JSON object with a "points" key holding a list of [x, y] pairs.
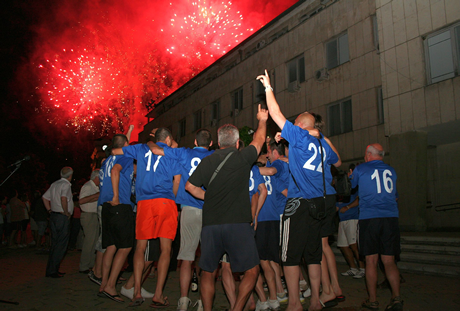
{"points": [[149, 161], [194, 163], [387, 181], [268, 184], [316, 151], [251, 182]]}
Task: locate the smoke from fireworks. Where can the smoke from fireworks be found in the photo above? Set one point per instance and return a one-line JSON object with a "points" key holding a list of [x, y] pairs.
{"points": [[96, 64]]}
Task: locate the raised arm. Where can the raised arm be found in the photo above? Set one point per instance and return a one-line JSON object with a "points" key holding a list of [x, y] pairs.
{"points": [[155, 148], [259, 136], [260, 202], [128, 134], [339, 162], [272, 104]]}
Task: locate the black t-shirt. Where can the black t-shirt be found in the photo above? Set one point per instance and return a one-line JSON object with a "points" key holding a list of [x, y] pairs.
{"points": [[226, 200], [38, 210]]}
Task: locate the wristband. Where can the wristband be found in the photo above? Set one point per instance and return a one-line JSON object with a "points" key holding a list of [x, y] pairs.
{"points": [[268, 87]]}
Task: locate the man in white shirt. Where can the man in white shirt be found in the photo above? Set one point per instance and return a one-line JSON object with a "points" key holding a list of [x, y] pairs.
{"points": [[58, 201], [89, 195]]}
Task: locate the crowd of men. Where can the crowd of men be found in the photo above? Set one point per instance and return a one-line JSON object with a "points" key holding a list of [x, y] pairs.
{"points": [[276, 217]]}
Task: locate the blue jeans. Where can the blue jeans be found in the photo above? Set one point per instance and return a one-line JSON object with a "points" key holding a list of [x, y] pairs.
{"points": [[59, 225]]}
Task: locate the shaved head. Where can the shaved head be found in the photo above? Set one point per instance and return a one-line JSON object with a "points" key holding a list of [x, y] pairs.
{"points": [[305, 120], [374, 152]]}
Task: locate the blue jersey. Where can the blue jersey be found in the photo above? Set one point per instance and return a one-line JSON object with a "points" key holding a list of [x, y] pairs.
{"points": [[305, 163], [275, 201], [126, 179], [352, 213], [377, 190], [255, 179], [154, 178], [189, 160]]}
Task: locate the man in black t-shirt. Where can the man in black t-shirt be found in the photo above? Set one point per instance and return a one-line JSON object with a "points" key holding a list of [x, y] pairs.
{"points": [[227, 210]]}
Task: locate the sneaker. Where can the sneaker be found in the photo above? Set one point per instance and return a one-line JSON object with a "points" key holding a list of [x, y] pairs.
{"points": [[262, 306], [183, 303], [198, 303], [360, 274], [370, 305], [129, 293], [274, 304], [307, 293], [282, 298], [350, 272], [302, 299], [396, 304], [265, 287], [94, 278], [303, 285], [283, 282]]}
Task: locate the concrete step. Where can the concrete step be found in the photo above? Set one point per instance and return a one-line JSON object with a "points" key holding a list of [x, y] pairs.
{"points": [[439, 270], [430, 240], [432, 249], [432, 259]]}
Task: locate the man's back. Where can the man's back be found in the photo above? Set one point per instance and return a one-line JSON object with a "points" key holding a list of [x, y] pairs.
{"points": [[126, 179]]}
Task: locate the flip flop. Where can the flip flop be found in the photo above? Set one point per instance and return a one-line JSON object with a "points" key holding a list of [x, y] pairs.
{"points": [[136, 302], [340, 298], [113, 297], [156, 304], [329, 304], [100, 294]]}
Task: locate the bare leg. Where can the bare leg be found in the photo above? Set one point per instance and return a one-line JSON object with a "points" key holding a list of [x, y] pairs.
{"points": [[371, 276], [162, 267], [138, 267], [207, 289], [97, 269], [118, 261], [229, 284], [291, 273], [277, 269], [314, 273], [260, 288], [269, 274], [354, 249], [185, 277], [328, 292], [392, 274], [130, 283], [348, 255], [332, 266], [107, 259], [246, 286]]}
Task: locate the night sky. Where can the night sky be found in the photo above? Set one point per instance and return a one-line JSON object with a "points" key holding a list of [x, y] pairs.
{"points": [[75, 70]]}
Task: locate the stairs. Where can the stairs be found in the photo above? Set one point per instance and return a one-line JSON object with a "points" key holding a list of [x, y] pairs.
{"points": [[425, 253]]}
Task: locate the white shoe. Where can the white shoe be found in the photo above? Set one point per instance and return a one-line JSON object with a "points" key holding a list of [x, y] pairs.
{"points": [[198, 303], [274, 304], [303, 285], [129, 293], [183, 303], [350, 272], [302, 299], [360, 274], [262, 306], [282, 299], [307, 293]]}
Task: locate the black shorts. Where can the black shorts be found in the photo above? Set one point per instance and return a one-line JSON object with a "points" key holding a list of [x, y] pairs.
{"points": [[328, 226], [237, 240], [379, 236], [117, 225], [301, 235], [268, 240], [152, 250]]}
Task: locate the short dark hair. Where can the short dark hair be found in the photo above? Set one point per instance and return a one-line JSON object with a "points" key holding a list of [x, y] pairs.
{"points": [[161, 134], [280, 147], [203, 138], [319, 123], [352, 167], [119, 140]]}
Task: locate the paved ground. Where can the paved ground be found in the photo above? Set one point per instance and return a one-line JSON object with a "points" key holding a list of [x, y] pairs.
{"points": [[22, 280]]}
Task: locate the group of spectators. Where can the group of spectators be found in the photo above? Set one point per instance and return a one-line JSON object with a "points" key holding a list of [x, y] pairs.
{"points": [[276, 216]]}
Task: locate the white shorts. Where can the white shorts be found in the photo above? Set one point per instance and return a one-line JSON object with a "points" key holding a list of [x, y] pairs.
{"points": [[190, 232], [347, 233]]}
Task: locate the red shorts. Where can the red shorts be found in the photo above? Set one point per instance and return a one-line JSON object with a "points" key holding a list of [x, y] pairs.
{"points": [[156, 218]]}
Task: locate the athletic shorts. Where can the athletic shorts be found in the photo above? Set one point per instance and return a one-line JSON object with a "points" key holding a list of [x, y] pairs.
{"points": [[190, 232], [152, 250], [117, 225], [156, 218], [24, 224], [348, 230], [301, 235], [268, 240], [328, 223], [33, 225], [379, 236], [42, 227], [237, 240]]}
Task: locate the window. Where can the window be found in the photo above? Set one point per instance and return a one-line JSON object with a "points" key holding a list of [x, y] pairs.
{"points": [[443, 49], [259, 92], [197, 120], [337, 51], [296, 73], [215, 113], [237, 101], [380, 114], [340, 118], [182, 128], [376, 32]]}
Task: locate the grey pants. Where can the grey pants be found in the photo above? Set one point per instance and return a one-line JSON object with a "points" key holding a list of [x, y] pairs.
{"points": [[90, 224]]}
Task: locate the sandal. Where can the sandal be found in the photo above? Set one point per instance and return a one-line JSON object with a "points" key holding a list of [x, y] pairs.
{"points": [[156, 304], [370, 305], [396, 304]]}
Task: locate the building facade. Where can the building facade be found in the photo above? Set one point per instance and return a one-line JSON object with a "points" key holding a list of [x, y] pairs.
{"points": [[381, 71]]}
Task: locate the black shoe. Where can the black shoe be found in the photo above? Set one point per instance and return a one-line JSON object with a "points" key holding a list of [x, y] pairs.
{"points": [[84, 271], [61, 273], [55, 276]]}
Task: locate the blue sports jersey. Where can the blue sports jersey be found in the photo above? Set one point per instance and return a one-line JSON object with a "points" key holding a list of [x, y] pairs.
{"points": [[189, 160], [305, 163], [352, 213], [154, 178], [275, 201], [255, 179], [377, 190], [126, 179]]}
